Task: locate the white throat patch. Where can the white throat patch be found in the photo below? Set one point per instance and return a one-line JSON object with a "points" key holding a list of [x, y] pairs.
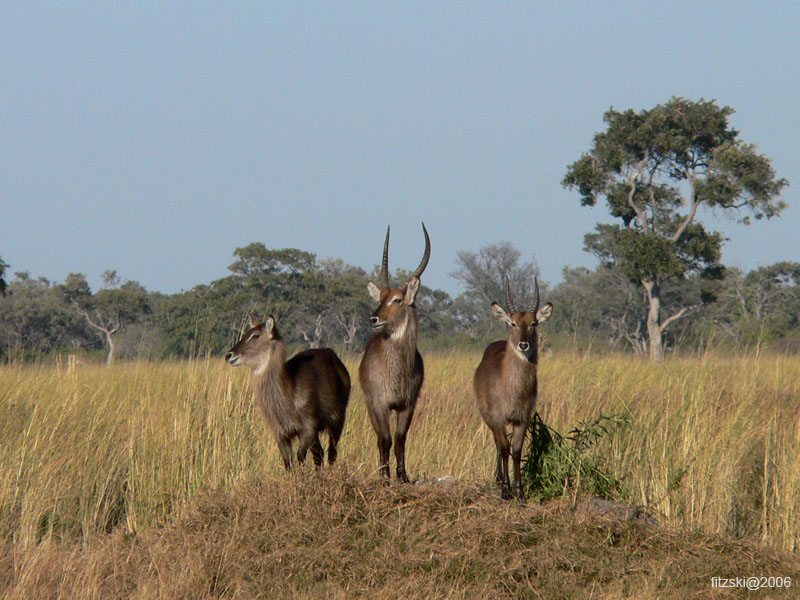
{"points": [[400, 331], [262, 367], [520, 354]]}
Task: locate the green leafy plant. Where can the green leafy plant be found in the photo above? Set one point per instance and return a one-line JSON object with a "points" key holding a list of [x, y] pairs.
{"points": [[556, 464]]}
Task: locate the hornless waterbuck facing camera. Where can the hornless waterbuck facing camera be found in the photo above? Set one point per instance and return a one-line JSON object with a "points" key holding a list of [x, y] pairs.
{"points": [[299, 398], [391, 370], [505, 384]]}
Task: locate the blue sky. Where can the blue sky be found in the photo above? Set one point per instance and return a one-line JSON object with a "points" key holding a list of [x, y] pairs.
{"points": [[155, 138]]}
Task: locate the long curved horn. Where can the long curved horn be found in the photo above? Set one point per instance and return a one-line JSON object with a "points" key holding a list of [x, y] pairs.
{"points": [[535, 295], [385, 262], [424, 262], [509, 303]]}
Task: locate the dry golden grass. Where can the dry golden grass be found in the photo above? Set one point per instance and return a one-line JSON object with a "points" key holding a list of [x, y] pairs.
{"points": [[152, 479], [341, 534]]}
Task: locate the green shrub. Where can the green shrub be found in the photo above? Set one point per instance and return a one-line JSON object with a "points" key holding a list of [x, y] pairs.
{"points": [[556, 464]]}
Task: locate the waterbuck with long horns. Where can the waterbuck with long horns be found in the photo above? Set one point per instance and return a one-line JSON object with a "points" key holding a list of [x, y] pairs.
{"points": [[505, 384], [299, 398], [391, 371]]}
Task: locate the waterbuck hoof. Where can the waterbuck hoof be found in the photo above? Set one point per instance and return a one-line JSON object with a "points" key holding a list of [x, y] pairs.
{"points": [[506, 493]]}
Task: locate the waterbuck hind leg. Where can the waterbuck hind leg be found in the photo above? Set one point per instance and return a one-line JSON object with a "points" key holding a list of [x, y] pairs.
{"points": [[334, 433], [317, 453], [285, 447], [308, 438], [403, 423], [384, 447]]}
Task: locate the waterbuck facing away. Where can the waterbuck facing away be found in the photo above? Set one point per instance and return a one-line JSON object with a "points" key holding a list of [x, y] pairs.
{"points": [[298, 398], [505, 384], [391, 370]]}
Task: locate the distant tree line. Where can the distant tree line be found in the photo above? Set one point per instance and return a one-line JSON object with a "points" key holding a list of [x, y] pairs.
{"points": [[324, 302], [659, 285]]}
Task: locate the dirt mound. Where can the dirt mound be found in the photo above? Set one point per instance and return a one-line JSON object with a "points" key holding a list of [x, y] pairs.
{"points": [[338, 534]]}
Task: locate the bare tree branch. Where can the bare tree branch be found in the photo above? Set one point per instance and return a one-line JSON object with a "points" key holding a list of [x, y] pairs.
{"points": [[694, 204], [637, 174], [677, 315]]}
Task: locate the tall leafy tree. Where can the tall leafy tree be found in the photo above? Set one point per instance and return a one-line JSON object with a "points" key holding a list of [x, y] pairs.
{"points": [[107, 310], [483, 274], [3, 285], [349, 307], [598, 306], [656, 168], [34, 321], [256, 260], [761, 305]]}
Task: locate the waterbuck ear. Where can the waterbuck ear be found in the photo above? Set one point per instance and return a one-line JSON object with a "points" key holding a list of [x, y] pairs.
{"points": [[269, 326], [412, 287], [544, 313], [251, 321], [374, 291], [500, 313]]}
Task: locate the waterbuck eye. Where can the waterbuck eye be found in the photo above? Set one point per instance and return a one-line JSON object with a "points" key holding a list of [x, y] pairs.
{"points": [[255, 336], [513, 323], [396, 299]]}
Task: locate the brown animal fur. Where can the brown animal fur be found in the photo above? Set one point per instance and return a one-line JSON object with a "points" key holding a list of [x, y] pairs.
{"points": [[506, 386], [299, 398], [391, 372]]}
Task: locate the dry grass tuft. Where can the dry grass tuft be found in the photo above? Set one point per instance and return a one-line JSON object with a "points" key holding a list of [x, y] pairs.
{"points": [[341, 534]]}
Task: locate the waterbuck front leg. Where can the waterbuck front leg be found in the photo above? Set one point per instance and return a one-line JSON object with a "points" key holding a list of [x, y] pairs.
{"points": [[503, 449], [380, 423], [403, 423], [517, 439]]}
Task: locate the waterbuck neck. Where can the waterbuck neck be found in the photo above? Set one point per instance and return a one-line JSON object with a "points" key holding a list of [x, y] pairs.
{"points": [[275, 389], [531, 357], [519, 372], [271, 361], [390, 364], [402, 341], [407, 328]]}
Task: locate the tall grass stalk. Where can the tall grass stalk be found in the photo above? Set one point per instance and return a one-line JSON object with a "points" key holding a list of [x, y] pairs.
{"points": [[713, 440]]}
